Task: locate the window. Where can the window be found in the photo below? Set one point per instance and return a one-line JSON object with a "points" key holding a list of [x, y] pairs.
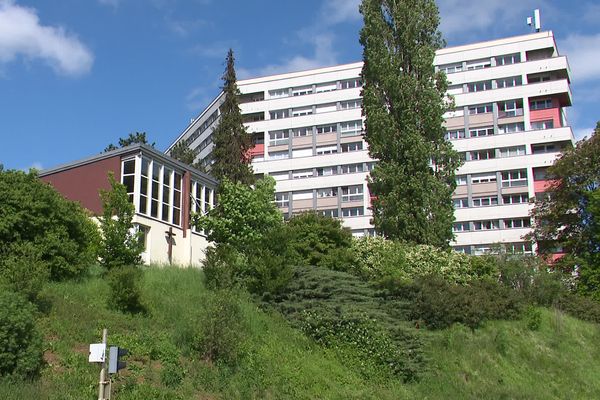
{"points": [[486, 154], [350, 104], [485, 201], [277, 138], [519, 198], [486, 225], [327, 171], [483, 178], [277, 93], [155, 189], [539, 125], [352, 168], [351, 83], [351, 128], [302, 173], [462, 249], [461, 203], [461, 227], [282, 200], [510, 108], [303, 131], [176, 198], [509, 82], [326, 150], [482, 249], [128, 177], [278, 114], [348, 147], [479, 86], [279, 155], [327, 192], [332, 213], [544, 148], [537, 78], [353, 212], [519, 247], [300, 111], [166, 195], [480, 109], [324, 108], [303, 90], [510, 128], [508, 59], [461, 180], [352, 193], [144, 189], [326, 129], [540, 174], [540, 104], [455, 134], [512, 151], [451, 68], [479, 132], [326, 87], [479, 64], [514, 178], [517, 223]]}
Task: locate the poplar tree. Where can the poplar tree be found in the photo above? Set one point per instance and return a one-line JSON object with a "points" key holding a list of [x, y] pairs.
{"points": [[232, 143], [404, 101]]}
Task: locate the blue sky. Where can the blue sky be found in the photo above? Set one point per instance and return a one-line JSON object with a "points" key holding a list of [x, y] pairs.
{"points": [[75, 75]]}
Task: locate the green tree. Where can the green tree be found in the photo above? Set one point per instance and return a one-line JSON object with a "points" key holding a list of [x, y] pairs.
{"points": [[42, 226], [138, 137], [184, 154], [232, 143], [404, 101], [242, 216], [569, 215], [119, 245]]}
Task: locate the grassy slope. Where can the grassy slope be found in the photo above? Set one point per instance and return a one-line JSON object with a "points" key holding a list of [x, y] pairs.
{"points": [[501, 360]]}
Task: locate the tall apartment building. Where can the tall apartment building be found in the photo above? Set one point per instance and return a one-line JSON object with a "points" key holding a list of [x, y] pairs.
{"points": [[509, 124]]}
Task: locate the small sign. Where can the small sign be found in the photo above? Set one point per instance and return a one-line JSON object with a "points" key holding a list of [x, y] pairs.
{"points": [[97, 352]]}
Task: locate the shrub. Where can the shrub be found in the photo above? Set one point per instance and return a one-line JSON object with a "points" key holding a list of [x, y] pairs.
{"points": [[319, 240], [533, 316], [20, 343], [125, 294], [33, 212], [220, 336], [23, 271], [579, 306], [439, 303]]}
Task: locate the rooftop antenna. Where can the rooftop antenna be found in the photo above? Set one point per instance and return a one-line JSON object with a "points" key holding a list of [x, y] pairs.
{"points": [[535, 21]]}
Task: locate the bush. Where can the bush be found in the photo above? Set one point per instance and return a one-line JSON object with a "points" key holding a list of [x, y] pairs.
{"points": [[125, 294], [319, 240], [220, 333], [20, 343], [23, 271], [579, 306], [533, 316], [61, 232], [439, 303]]}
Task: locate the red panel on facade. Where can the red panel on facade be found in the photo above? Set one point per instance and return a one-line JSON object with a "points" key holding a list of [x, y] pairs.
{"points": [[547, 114], [541, 186], [82, 183]]}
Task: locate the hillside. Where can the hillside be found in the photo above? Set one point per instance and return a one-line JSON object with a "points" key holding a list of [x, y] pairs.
{"points": [[502, 360]]}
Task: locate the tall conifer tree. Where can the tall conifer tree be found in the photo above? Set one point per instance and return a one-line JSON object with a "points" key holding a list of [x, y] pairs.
{"points": [[404, 101], [232, 143]]}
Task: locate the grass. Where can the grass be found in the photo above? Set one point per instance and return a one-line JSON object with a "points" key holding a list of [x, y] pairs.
{"points": [[502, 360]]}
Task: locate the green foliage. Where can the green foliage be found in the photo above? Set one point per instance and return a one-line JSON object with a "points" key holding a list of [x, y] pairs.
{"points": [[231, 152], [20, 341], [23, 271], [579, 306], [318, 240], [242, 216], [404, 102], [439, 304], [182, 152], [569, 216], [220, 333], [533, 316], [379, 259], [35, 219], [124, 282], [119, 245], [133, 138]]}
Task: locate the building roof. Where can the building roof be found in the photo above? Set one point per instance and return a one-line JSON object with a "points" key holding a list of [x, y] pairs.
{"points": [[137, 147]]}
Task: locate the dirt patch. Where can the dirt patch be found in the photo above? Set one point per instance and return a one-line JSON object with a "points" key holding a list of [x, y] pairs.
{"points": [[53, 361]]}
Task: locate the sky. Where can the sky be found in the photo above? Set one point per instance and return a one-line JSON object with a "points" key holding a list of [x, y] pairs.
{"points": [[75, 75]]}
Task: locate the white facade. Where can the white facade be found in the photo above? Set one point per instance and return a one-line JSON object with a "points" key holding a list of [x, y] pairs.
{"points": [[509, 123]]}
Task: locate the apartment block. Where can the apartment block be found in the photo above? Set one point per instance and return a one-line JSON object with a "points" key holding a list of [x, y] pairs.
{"points": [[508, 123]]}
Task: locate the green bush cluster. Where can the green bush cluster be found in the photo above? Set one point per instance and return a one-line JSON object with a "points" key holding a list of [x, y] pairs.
{"points": [[20, 342], [125, 292]]}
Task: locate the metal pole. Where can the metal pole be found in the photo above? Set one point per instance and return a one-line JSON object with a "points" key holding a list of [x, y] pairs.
{"points": [[102, 382]]}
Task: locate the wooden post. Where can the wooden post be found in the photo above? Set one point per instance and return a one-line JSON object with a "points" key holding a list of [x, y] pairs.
{"points": [[170, 236], [102, 382]]}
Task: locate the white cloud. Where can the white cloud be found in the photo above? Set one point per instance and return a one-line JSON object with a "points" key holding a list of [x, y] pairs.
{"points": [[583, 53], [21, 34], [338, 11]]}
